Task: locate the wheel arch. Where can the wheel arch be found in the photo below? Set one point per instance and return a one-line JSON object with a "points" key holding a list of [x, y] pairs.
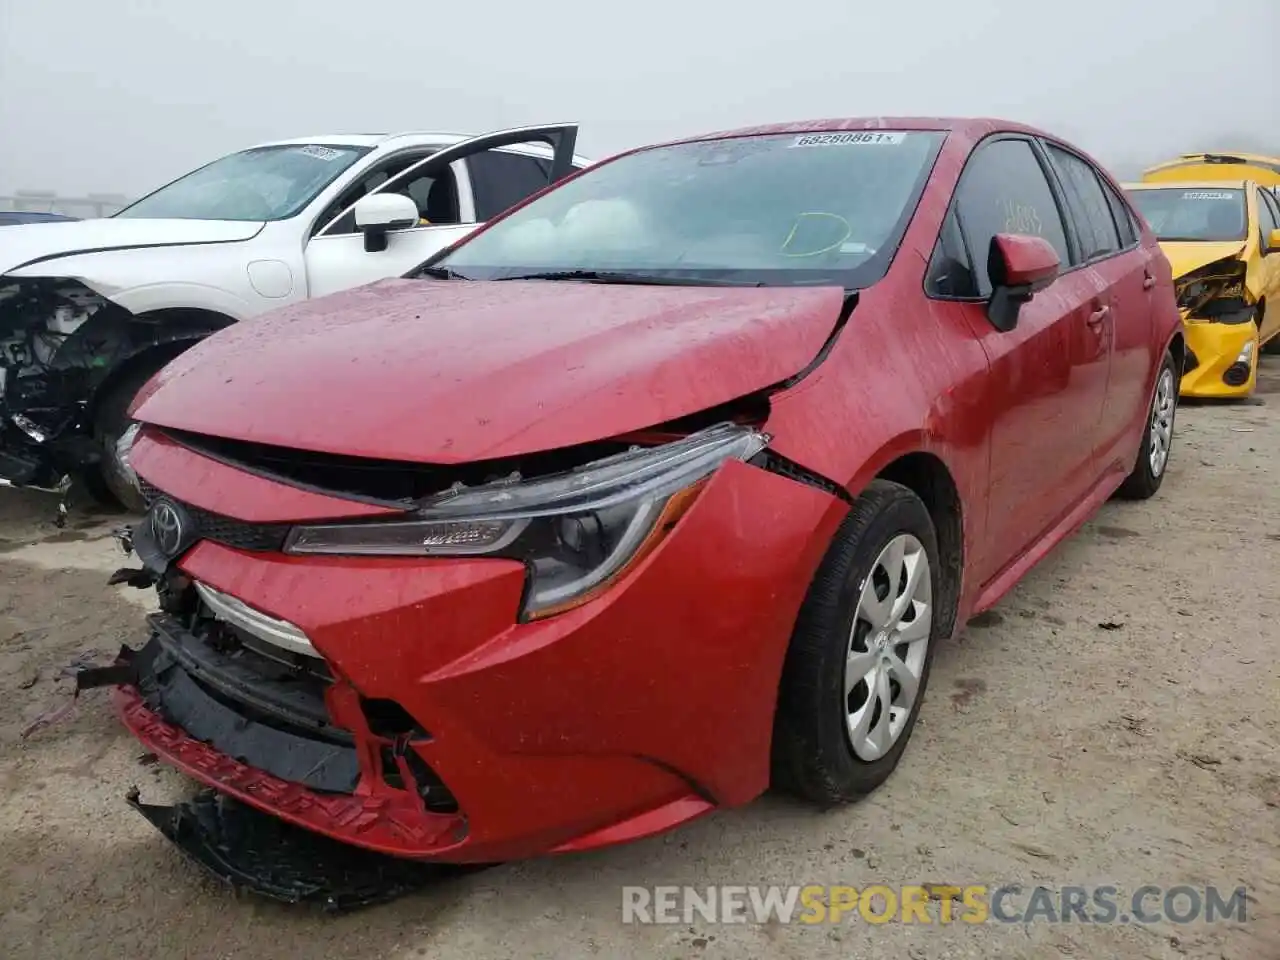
{"points": [[1178, 347], [156, 338]]}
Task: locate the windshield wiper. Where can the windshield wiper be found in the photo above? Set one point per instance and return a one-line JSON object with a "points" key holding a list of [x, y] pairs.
{"points": [[439, 273], [639, 279]]}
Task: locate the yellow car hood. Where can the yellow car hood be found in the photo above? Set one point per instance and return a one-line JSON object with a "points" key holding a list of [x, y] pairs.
{"points": [[1187, 256]]}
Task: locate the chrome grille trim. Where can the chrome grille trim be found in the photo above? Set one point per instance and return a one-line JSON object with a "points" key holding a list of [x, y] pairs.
{"points": [[268, 629]]}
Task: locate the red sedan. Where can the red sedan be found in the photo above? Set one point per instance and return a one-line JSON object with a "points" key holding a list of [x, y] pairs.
{"points": [[656, 491]]}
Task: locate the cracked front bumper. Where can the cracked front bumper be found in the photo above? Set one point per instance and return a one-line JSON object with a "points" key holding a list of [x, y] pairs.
{"points": [[645, 708], [1226, 359]]}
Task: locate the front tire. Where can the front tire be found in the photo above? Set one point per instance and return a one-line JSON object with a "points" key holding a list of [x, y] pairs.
{"points": [[1272, 346], [1157, 439], [859, 659], [111, 482]]}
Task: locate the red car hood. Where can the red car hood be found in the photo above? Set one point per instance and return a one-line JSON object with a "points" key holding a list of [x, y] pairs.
{"points": [[456, 371]]}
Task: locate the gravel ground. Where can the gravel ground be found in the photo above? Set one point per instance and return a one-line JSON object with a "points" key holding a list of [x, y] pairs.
{"points": [[1051, 750]]}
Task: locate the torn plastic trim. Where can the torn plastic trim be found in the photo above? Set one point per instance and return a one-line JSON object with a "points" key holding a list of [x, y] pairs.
{"points": [[252, 851], [774, 462], [269, 730]]}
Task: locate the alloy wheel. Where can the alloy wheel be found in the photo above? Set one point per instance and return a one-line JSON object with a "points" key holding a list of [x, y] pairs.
{"points": [[1162, 408], [887, 647]]}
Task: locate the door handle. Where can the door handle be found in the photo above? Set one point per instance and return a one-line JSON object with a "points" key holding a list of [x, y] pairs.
{"points": [[1098, 316], [1148, 281]]}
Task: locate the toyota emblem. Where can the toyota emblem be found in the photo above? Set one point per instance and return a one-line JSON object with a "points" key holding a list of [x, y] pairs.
{"points": [[167, 527]]}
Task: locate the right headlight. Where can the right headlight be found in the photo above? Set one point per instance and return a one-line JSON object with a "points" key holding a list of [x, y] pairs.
{"points": [[576, 531]]}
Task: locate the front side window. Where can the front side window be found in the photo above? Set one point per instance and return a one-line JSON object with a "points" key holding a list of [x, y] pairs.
{"points": [[1199, 214], [264, 183], [950, 274], [1267, 214], [820, 208], [1003, 190]]}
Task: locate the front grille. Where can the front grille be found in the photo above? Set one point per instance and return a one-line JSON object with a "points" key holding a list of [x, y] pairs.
{"points": [[1190, 362], [225, 530]]}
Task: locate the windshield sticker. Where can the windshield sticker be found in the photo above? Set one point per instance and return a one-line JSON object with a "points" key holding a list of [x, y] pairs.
{"points": [[860, 138], [320, 153], [1206, 195]]}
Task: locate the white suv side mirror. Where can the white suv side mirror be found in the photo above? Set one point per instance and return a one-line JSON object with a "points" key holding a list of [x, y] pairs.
{"points": [[377, 214]]}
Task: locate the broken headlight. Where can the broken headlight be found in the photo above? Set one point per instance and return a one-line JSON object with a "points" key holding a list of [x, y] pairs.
{"points": [[576, 531], [1215, 292]]}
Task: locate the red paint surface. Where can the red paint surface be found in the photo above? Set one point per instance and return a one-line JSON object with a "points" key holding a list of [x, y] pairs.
{"points": [[552, 730], [1029, 261], [655, 700], [194, 478], [449, 372]]}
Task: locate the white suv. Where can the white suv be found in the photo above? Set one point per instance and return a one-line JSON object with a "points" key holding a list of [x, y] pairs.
{"points": [[90, 310]]}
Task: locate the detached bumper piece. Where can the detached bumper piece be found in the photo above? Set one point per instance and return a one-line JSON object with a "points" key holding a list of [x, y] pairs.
{"points": [[250, 722], [253, 851]]}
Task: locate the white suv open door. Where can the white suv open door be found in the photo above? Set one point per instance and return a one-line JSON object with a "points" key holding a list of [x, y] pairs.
{"points": [[338, 256]]}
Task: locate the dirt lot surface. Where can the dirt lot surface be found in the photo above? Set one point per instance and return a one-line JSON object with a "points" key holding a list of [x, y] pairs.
{"points": [[1052, 750]]}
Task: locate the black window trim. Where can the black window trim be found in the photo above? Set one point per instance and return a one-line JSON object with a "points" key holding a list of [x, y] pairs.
{"points": [[1105, 184], [1266, 199], [951, 211]]}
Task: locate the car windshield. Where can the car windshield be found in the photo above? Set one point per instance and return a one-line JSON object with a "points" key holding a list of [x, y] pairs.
{"points": [[827, 208], [1197, 215], [264, 183]]}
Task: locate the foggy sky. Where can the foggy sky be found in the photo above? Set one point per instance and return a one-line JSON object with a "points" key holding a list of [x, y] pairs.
{"points": [[120, 96]]}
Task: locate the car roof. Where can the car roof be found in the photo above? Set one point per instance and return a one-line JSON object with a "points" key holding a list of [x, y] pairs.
{"points": [[973, 127], [407, 139], [367, 139], [1220, 156], [1182, 184]]}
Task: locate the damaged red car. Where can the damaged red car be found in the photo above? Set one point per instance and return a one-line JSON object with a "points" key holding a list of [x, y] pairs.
{"points": [[658, 490]]}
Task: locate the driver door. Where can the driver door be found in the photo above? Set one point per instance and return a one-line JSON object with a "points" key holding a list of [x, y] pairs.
{"points": [[336, 258]]}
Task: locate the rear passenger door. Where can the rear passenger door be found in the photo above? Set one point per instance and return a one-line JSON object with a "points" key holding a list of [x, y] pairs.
{"points": [[502, 178], [1113, 269]]}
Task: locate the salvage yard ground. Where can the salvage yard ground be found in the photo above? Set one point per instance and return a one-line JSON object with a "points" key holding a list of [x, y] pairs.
{"points": [[1115, 720]]}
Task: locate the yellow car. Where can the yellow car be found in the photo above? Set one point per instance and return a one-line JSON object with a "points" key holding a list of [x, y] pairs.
{"points": [[1264, 171], [1222, 238]]}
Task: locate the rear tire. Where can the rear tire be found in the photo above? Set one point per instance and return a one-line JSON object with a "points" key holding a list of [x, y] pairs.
{"points": [[1157, 437], [833, 740]]}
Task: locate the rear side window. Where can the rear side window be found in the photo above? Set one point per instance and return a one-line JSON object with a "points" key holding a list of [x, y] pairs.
{"points": [[500, 180], [1129, 232], [1090, 209], [1004, 190]]}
